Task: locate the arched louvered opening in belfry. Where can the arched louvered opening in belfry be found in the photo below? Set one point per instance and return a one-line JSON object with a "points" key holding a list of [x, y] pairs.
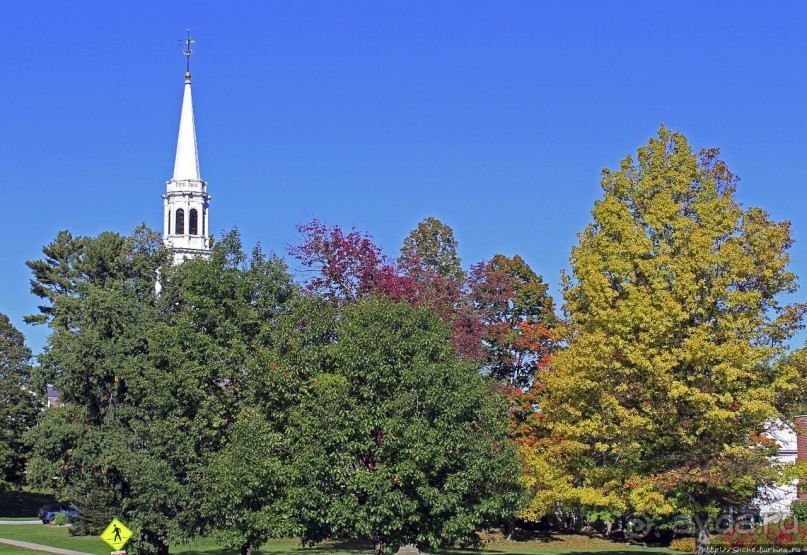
{"points": [[180, 227], [193, 222]]}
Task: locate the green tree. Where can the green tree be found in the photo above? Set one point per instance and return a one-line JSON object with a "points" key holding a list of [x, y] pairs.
{"points": [[398, 442], [55, 275], [244, 485], [155, 385], [100, 300], [660, 403], [19, 404], [193, 391], [431, 247]]}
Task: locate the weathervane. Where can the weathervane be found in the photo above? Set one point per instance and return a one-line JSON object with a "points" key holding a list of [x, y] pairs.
{"points": [[188, 42]]}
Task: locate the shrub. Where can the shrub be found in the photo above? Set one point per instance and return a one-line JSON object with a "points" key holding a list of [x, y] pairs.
{"points": [[687, 545], [800, 510], [787, 533], [59, 519]]}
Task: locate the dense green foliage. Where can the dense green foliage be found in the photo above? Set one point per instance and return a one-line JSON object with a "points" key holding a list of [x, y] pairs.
{"points": [[800, 510], [399, 442], [196, 407], [150, 382], [19, 404], [100, 304]]}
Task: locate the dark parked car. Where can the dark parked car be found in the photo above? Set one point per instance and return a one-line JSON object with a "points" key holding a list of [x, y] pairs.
{"points": [[48, 512]]}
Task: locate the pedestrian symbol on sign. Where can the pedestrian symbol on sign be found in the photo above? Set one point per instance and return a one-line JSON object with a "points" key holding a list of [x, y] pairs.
{"points": [[116, 534]]}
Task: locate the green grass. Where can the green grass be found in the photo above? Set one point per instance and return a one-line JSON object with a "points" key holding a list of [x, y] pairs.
{"points": [[22, 504], [11, 550], [54, 536], [554, 545]]}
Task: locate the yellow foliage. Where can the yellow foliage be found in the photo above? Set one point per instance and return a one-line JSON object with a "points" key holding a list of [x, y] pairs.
{"points": [[676, 360], [685, 545]]}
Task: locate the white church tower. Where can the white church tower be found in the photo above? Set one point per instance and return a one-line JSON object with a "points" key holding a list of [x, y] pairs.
{"points": [[186, 202]]}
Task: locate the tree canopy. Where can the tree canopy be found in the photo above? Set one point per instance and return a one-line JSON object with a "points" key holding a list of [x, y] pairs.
{"points": [[206, 406], [672, 372], [19, 403], [398, 441], [431, 247], [412, 401]]}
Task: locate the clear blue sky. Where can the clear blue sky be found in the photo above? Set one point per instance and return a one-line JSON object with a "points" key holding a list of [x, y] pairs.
{"points": [[495, 117]]}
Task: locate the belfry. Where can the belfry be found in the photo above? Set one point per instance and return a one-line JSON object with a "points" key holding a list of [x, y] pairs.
{"points": [[186, 202]]}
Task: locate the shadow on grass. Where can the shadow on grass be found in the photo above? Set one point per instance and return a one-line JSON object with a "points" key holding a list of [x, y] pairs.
{"points": [[543, 536], [287, 547], [522, 550], [343, 546], [21, 504]]}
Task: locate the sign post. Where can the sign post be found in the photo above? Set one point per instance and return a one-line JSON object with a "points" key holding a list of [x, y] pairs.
{"points": [[116, 535]]}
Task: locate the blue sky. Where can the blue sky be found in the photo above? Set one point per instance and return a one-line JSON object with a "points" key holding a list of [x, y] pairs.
{"points": [[496, 117]]}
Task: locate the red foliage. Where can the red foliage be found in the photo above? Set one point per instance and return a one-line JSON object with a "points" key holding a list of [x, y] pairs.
{"points": [[346, 266], [502, 317], [516, 315], [349, 266], [787, 533]]}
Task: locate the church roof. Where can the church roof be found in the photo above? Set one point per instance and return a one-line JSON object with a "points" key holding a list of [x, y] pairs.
{"points": [[186, 164]]}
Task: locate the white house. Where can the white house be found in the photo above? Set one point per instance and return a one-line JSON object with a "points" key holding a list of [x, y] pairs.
{"points": [[774, 503]]}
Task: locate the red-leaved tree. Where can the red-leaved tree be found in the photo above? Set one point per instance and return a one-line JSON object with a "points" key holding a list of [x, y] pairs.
{"points": [[348, 266], [501, 316]]}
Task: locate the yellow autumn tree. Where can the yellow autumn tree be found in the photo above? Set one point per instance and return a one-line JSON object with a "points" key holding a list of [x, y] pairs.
{"points": [[676, 358]]}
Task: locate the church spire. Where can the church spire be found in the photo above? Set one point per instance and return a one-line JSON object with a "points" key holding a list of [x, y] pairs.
{"points": [[186, 201], [186, 164]]}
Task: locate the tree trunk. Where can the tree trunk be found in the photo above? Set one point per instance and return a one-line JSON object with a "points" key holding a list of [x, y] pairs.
{"points": [[162, 548], [246, 548], [509, 528], [378, 547], [609, 528], [702, 538]]}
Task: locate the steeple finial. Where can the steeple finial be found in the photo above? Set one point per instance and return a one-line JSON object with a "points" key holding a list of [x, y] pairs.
{"points": [[186, 165], [188, 52]]}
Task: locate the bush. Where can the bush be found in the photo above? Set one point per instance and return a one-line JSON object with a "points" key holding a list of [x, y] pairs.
{"points": [[687, 545], [799, 509], [787, 533], [60, 519]]}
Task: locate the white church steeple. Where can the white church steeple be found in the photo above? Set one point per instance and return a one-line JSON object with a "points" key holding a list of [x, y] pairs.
{"points": [[185, 203], [186, 164]]}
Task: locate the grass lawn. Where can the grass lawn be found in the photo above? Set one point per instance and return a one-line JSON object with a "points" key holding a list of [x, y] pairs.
{"points": [[22, 504], [54, 536], [11, 550], [554, 545]]}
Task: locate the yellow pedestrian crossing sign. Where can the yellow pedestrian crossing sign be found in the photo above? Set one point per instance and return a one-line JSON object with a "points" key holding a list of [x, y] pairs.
{"points": [[116, 534]]}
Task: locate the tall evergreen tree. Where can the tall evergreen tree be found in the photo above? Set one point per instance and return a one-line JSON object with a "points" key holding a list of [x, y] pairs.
{"points": [[19, 403], [100, 300], [152, 383], [194, 392]]}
